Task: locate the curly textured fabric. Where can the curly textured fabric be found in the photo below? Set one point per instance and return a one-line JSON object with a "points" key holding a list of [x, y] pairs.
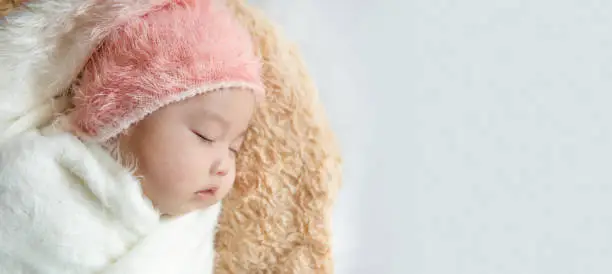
{"points": [[177, 50], [277, 219]]}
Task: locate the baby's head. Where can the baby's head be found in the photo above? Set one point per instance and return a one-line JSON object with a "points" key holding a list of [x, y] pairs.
{"points": [[174, 91]]}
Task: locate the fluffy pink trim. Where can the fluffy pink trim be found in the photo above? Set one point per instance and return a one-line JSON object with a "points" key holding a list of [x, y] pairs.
{"points": [[177, 50]]}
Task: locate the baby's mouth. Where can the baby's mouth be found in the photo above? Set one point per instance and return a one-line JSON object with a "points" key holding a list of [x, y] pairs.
{"points": [[207, 192]]}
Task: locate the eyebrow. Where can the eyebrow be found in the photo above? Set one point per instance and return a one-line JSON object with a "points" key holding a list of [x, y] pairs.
{"points": [[224, 123], [216, 117]]}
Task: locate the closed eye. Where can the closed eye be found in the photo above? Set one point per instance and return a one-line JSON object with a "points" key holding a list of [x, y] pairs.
{"points": [[234, 151], [204, 138]]}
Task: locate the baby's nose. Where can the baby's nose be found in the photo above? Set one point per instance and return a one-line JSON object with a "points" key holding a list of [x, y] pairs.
{"points": [[219, 169], [221, 172]]}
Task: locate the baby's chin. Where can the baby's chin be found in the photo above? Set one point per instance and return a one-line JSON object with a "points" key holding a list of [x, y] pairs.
{"points": [[197, 202]]}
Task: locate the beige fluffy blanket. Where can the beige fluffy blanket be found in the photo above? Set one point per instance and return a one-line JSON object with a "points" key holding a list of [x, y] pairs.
{"points": [[278, 217]]}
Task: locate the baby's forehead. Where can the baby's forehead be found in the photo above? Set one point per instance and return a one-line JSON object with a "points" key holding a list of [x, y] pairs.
{"points": [[224, 106], [224, 98]]}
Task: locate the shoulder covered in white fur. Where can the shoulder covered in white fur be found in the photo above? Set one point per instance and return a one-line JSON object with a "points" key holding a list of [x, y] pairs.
{"points": [[51, 223], [66, 207]]}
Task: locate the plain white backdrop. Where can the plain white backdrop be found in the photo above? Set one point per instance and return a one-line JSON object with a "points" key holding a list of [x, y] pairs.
{"points": [[477, 134]]}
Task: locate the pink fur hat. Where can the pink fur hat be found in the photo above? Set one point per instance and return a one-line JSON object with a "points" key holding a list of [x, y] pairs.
{"points": [[177, 50]]}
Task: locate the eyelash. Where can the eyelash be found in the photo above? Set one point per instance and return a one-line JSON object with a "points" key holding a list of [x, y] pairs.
{"points": [[204, 138], [208, 140]]}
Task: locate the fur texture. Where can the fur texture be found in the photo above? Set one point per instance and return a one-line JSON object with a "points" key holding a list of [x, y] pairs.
{"points": [[177, 50], [43, 47], [68, 207], [278, 217]]}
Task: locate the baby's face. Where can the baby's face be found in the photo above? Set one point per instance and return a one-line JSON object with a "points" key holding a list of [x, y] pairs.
{"points": [[186, 152]]}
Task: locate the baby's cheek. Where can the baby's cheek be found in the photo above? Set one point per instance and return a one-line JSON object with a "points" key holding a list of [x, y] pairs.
{"points": [[166, 184], [227, 184]]}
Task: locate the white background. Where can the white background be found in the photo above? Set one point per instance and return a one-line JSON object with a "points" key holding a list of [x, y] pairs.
{"points": [[477, 133]]}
